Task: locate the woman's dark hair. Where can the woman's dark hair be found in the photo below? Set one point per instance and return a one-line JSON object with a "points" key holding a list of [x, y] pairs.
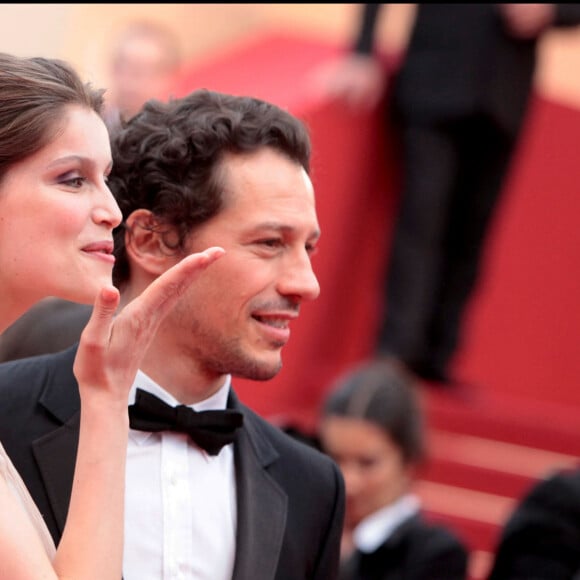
{"points": [[383, 394], [34, 93]]}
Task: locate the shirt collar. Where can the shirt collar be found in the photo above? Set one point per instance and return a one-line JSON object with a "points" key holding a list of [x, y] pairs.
{"points": [[375, 529], [218, 400]]}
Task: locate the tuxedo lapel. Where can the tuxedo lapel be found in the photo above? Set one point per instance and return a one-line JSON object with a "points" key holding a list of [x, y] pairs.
{"points": [[262, 506], [55, 452], [55, 455]]}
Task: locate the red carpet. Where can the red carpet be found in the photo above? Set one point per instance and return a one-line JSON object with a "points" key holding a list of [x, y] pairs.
{"points": [[524, 334]]}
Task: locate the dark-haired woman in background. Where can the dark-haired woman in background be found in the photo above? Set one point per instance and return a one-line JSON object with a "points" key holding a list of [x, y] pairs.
{"points": [[372, 426]]}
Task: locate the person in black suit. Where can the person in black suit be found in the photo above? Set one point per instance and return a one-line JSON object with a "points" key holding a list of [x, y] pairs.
{"points": [[541, 539], [372, 425], [51, 325], [458, 100], [247, 502]]}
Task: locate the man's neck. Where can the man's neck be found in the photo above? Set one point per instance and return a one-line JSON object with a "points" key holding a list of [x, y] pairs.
{"points": [[181, 378], [176, 371]]}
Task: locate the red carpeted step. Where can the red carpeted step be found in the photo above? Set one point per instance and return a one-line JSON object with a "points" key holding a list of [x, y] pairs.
{"points": [[475, 534], [451, 472], [462, 504], [500, 456], [549, 427]]}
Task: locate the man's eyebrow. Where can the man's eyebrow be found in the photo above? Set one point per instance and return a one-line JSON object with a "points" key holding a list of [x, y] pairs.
{"points": [[283, 228]]}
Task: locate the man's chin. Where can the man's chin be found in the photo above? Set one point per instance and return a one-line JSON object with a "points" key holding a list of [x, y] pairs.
{"points": [[261, 370], [265, 374]]}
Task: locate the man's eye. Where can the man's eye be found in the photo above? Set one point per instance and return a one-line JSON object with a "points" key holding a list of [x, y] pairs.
{"points": [[271, 243], [367, 462], [312, 249]]}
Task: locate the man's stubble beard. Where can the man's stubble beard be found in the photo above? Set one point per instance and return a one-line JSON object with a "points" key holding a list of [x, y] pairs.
{"points": [[227, 356]]}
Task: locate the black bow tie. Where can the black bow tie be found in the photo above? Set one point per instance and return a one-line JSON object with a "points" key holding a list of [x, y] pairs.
{"points": [[211, 430]]}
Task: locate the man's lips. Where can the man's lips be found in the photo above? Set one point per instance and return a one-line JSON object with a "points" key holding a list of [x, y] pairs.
{"points": [[276, 319], [276, 325]]}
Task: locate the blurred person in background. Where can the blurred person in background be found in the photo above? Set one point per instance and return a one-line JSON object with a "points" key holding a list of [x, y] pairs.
{"points": [[458, 100], [51, 325], [541, 539], [144, 62], [372, 425]]}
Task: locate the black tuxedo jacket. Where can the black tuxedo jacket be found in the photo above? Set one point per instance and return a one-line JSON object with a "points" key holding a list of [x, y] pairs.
{"points": [[415, 551], [541, 540], [290, 496]]}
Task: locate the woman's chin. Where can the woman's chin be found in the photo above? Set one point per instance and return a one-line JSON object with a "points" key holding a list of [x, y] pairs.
{"points": [[89, 291]]}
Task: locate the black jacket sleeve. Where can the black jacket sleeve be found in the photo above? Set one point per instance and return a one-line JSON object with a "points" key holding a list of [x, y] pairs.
{"points": [[541, 540]]}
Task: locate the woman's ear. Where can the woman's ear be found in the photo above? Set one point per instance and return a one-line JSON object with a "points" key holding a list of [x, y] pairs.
{"points": [[145, 243]]}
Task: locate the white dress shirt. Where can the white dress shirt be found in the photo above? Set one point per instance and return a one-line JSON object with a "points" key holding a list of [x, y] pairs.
{"points": [[180, 502], [375, 529]]}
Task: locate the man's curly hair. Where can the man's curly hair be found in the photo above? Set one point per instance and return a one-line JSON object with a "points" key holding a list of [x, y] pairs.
{"points": [[167, 158]]}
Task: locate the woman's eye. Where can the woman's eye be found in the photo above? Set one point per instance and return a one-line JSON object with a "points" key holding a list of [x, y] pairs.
{"points": [[74, 182]]}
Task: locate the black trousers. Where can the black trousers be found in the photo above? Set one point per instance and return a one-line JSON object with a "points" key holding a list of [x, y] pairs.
{"points": [[453, 176]]}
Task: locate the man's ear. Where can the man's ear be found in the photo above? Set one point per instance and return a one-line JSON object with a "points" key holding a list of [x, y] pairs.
{"points": [[145, 243]]}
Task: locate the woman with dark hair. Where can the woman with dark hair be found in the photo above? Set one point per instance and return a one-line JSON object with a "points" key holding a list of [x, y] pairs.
{"points": [[372, 425], [56, 239]]}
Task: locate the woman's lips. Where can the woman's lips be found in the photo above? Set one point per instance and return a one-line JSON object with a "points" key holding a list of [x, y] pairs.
{"points": [[101, 250]]}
